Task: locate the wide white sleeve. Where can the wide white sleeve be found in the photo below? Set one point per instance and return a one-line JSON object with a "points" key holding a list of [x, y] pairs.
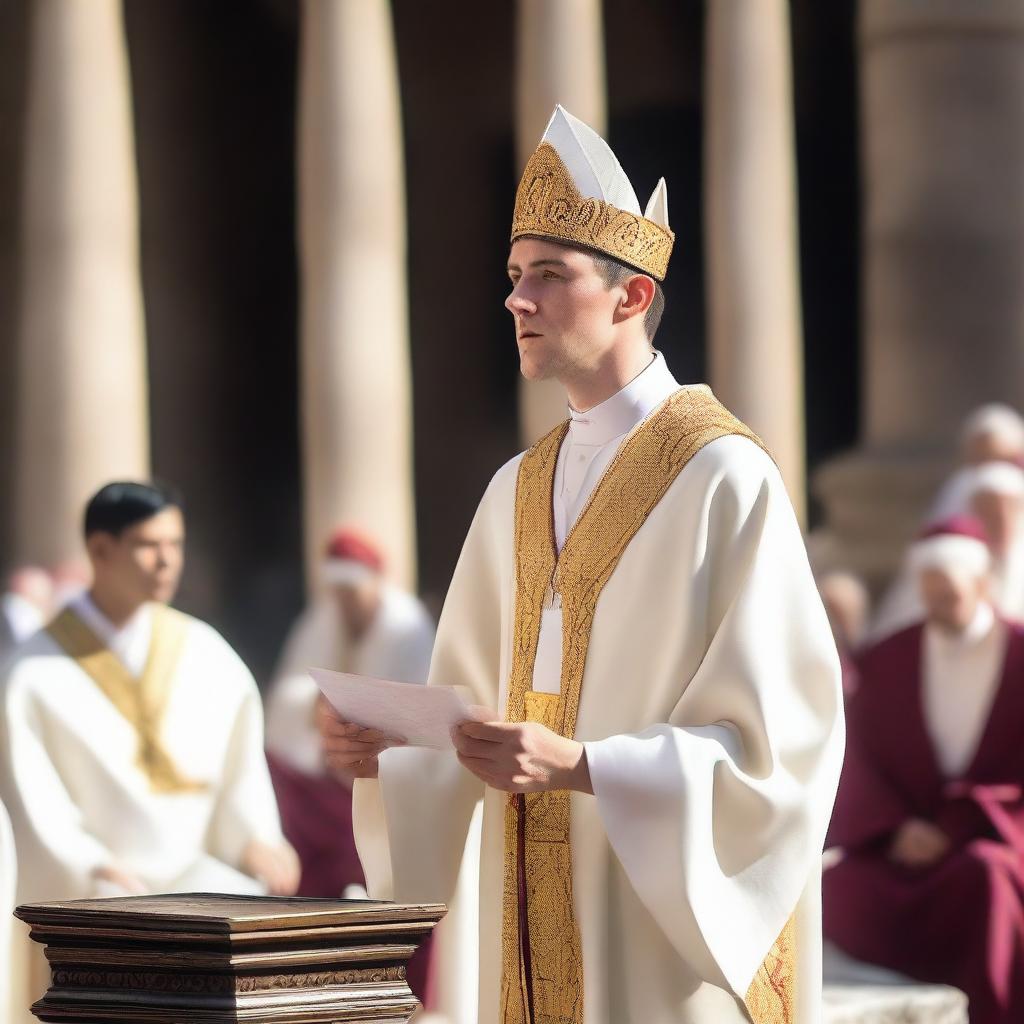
{"points": [[246, 808], [411, 823], [58, 854], [719, 815]]}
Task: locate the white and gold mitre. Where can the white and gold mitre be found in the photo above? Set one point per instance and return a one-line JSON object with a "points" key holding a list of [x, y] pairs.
{"points": [[574, 190]]}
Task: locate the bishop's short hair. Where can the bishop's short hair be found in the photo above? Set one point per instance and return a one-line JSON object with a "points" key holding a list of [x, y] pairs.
{"points": [[116, 506], [613, 272]]}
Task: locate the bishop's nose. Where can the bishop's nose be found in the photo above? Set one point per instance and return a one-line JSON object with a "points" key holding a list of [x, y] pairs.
{"points": [[519, 305]]}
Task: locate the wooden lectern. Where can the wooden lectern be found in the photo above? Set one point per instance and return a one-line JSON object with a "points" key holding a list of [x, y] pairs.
{"points": [[216, 959]]}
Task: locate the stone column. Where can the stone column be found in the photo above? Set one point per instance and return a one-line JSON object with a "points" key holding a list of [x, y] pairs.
{"points": [[559, 59], [754, 324], [356, 390], [942, 101], [82, 399]]}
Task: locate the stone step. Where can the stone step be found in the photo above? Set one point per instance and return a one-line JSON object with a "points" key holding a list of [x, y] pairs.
{"points": [[894, 1004]]}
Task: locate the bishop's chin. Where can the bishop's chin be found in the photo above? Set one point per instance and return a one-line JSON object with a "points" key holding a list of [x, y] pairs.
{"points": [[533, 368], [528, 371]]}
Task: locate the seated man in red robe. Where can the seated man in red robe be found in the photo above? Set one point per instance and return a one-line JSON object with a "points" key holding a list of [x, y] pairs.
{"points": [[930, 812], [361, 623]]}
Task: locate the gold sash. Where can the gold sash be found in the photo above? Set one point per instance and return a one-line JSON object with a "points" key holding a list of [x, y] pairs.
{"points": [[542, 961], [141, 701]]}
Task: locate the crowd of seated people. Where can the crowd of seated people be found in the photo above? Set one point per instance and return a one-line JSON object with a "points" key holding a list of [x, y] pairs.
{"points": [[925, 866]]}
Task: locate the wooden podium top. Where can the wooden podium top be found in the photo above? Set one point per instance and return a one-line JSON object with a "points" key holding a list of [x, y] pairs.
{"points": [[216, 959], [217, 914]]}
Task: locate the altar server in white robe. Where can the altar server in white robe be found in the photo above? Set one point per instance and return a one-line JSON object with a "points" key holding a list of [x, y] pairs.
{"points": [[634, 599], [131, 735], [361, 623]]}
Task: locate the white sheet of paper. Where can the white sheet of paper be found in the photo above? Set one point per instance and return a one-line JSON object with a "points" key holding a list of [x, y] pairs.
{"points": [[421, 715]]}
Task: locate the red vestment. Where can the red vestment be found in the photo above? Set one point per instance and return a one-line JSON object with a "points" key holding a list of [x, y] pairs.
{"points": [[960, 921]]}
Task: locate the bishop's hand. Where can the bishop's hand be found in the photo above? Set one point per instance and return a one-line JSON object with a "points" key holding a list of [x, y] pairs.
{"points": [[350, 750], [521, 757]]}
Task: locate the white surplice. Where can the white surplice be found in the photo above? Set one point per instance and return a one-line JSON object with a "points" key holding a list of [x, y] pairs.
{"points": [[711, 714], [78, 800], [77, 797]]}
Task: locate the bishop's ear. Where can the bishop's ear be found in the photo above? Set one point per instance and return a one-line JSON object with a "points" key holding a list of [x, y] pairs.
{"points": [[640, 291]]}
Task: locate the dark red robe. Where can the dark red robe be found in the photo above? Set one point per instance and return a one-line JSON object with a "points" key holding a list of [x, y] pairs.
{"points": [[960, 921]]}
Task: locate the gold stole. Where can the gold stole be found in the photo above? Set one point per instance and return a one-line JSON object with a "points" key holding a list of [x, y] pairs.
{"points": [[141, 701], [542, 961]]}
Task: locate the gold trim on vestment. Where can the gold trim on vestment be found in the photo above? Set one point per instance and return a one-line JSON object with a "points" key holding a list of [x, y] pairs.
{"points": [[143, 701], [635, 481], [771, 998], [549, 205]]}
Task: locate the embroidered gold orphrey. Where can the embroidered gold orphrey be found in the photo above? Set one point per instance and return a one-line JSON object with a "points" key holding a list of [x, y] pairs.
{"points": [[542, 960], [141, 701]]}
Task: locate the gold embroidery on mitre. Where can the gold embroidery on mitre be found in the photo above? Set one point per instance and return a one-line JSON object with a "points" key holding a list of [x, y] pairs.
{"points": [[635, 481], [771, 998], [549, 204], [141, 701]]}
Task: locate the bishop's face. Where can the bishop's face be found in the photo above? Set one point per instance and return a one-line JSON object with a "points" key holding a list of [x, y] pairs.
{"points": [[563, 309]]}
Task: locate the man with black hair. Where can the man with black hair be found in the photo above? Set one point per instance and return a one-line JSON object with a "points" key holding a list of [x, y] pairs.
{"points": [[131, 735]]}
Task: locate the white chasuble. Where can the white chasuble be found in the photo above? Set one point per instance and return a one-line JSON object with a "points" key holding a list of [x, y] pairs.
{"points": [[163, 775], [709, 704]]}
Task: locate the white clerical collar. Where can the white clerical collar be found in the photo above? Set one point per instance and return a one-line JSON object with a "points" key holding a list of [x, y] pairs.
{"points": [[129, 641], [977, 630], [631, 405]]}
